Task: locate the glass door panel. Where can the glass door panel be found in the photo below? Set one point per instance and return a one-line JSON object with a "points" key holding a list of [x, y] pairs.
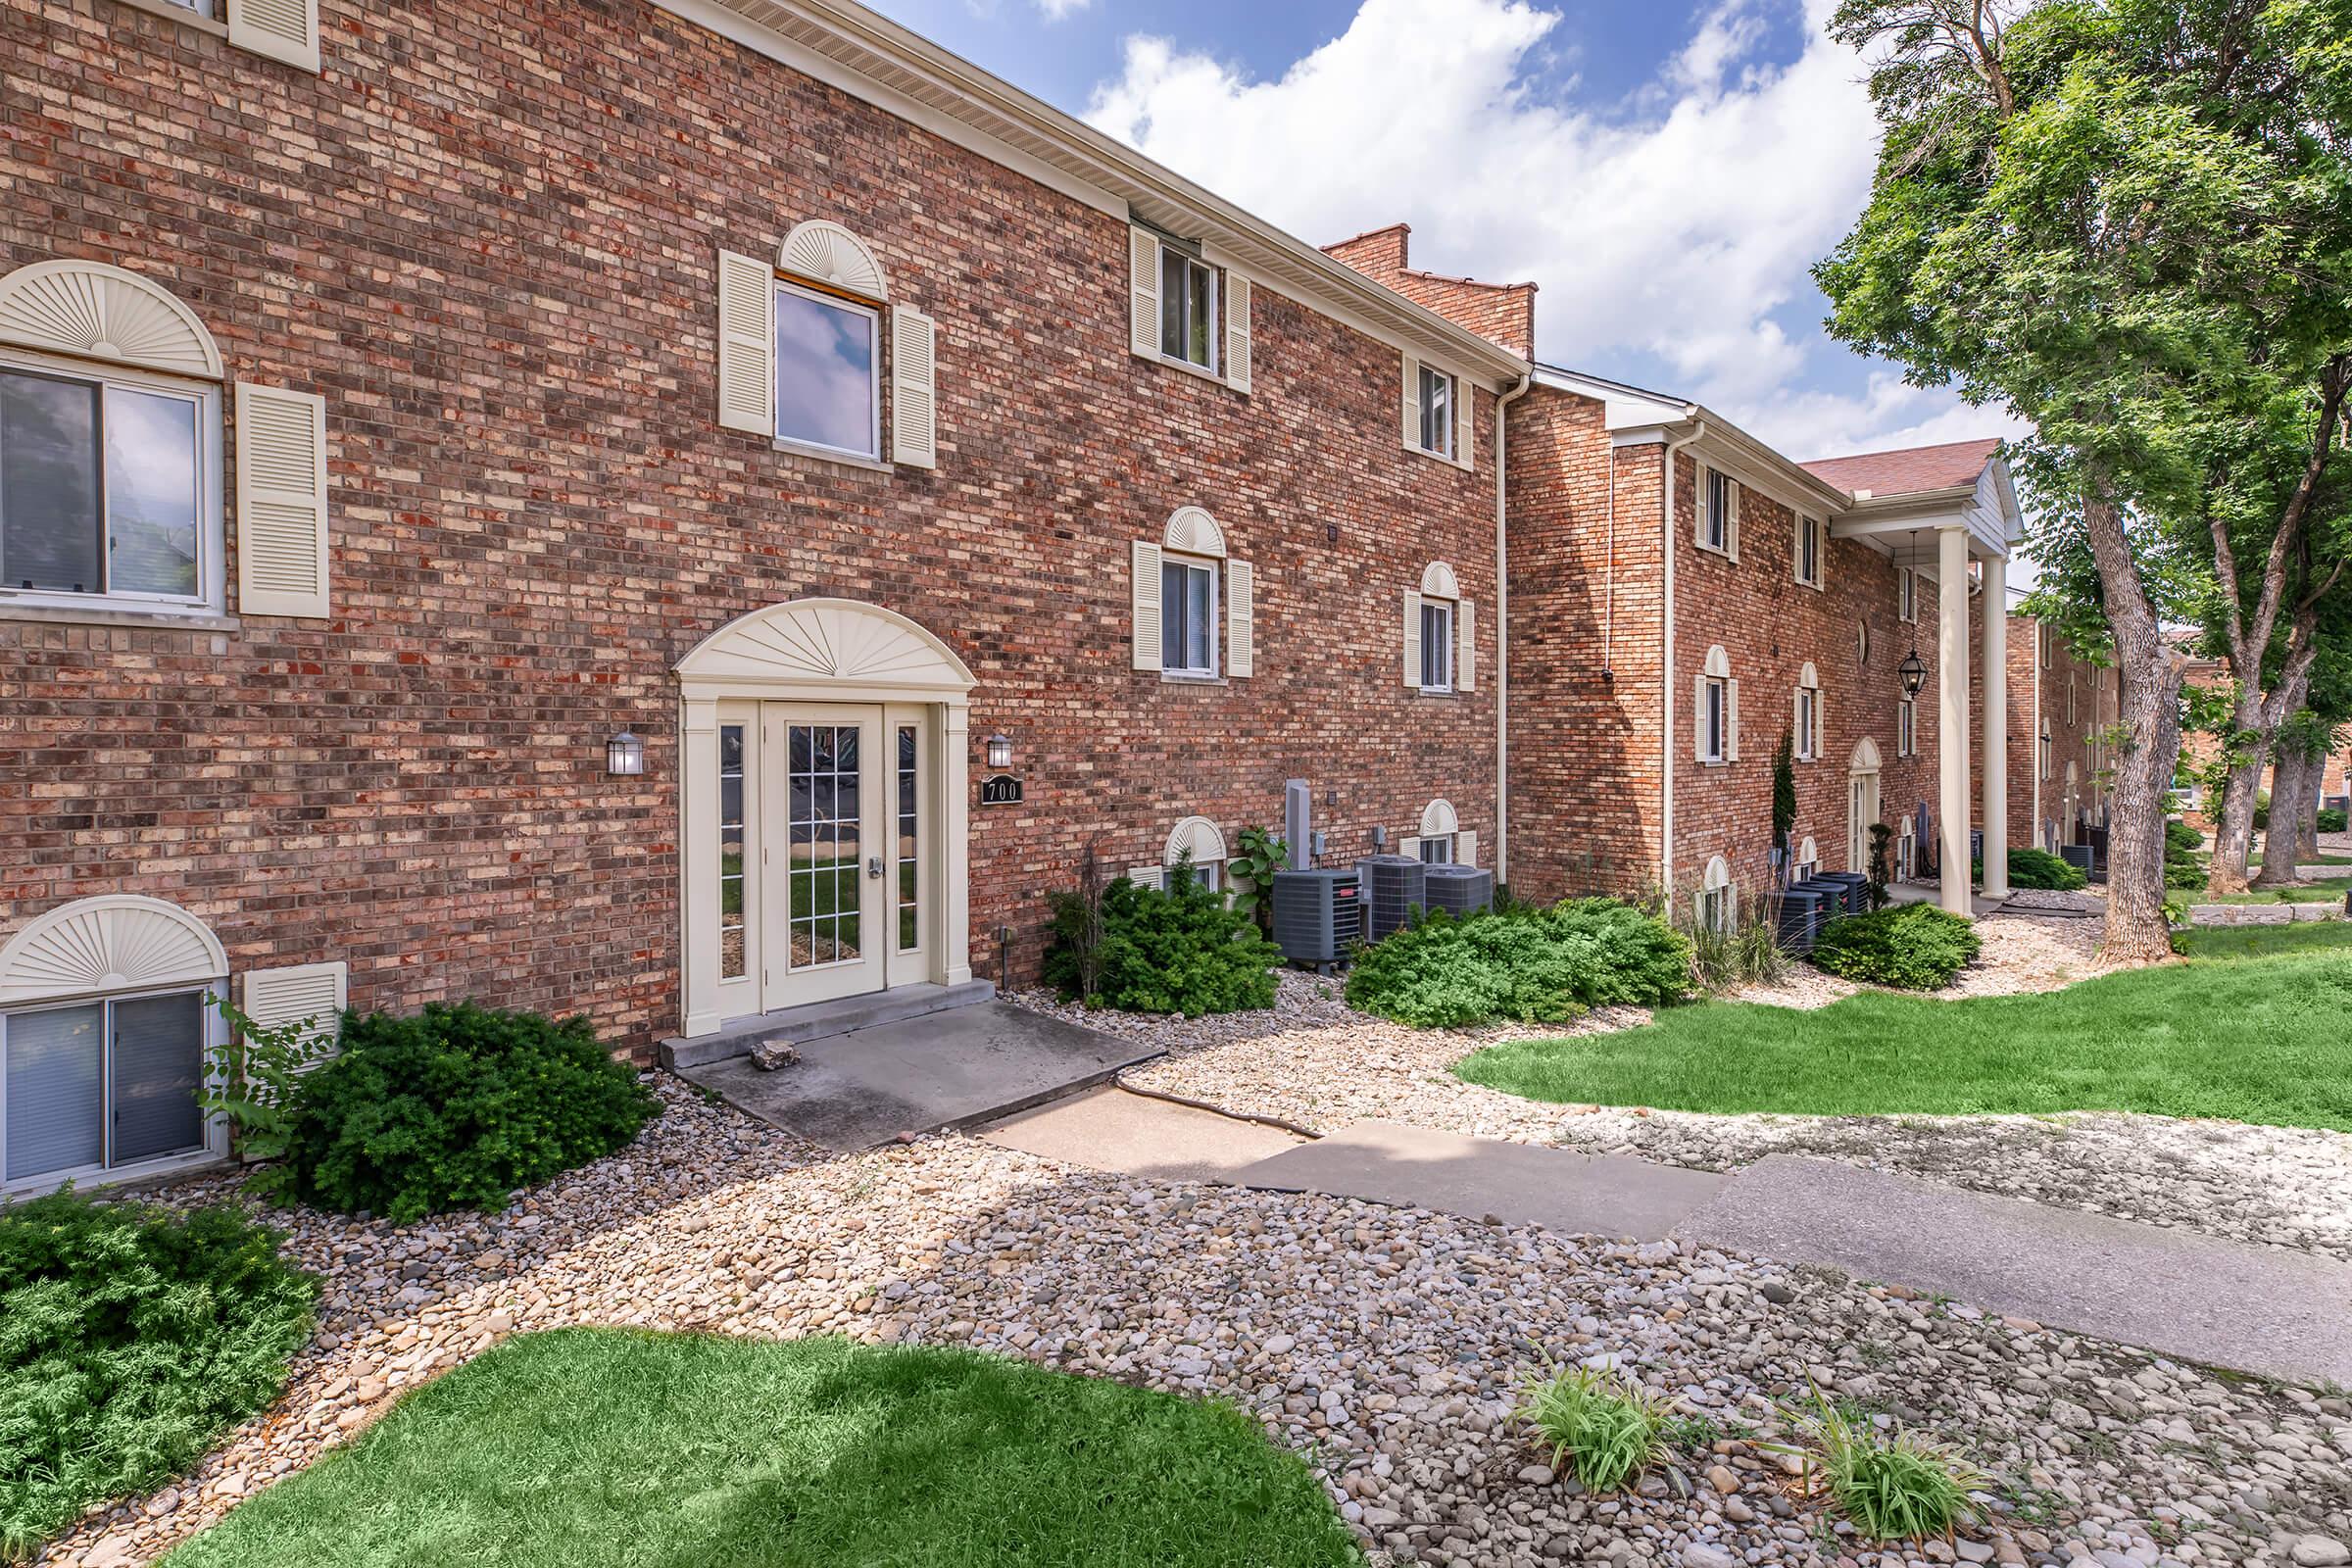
{"points": [[824, 880]]}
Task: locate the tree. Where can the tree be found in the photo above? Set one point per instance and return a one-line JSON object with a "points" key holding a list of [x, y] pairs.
{"points": [[2106, 216]]}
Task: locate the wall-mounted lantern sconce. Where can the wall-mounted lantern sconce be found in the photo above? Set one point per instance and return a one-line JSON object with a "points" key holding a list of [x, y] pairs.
{"points": [[1914, 672], [1000, 751], [625, 755]]}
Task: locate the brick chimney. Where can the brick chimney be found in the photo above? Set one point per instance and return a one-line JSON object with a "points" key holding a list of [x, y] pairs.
{"points": [[1503, 313]]}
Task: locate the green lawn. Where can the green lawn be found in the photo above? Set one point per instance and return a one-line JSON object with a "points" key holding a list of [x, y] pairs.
{"points": [[597, 1447], [2259, 1039], [2263, 941], [2255, 859], [2330, 891]]}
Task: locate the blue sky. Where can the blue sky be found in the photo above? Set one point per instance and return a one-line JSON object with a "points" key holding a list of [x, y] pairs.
{"points": [[1666, 172]]}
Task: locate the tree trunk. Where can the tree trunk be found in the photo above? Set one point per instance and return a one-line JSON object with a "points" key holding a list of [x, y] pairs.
{"points": [[2234, 828], [2149, 675], [2283, 843], [2315, 788]]}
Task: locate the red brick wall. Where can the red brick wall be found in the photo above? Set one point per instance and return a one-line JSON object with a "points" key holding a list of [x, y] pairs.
{"points": [[1501, 312], [2072, 741], [486, 234]]}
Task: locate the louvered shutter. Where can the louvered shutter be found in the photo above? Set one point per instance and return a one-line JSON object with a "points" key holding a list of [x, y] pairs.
{"points": [[317, 992], [1731, 522], [747, 344], [282, 501], [1731, 722], [1699, 717], [1237, 333], [913, 388], [1412, 639], [1821, 725], [1465, 421], [1148, 876], [1241, 609], [1465, 848], [1796, 723], [285, 30], [1412, 404], [1465, 657], [1143, 293], [1410, 849], [1146, 605]]}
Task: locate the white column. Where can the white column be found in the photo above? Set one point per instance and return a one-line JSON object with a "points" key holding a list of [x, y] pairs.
{"points": [[1952, 712], [955, 962], [1997, 729], [698, 863]]}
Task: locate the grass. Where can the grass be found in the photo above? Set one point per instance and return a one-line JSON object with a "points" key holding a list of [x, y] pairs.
{"points": [[2255, 859], [2259, 1039], [2263, 941], [598, 1446], [2329, 890], [1894, 1487], [1606, 1429]]}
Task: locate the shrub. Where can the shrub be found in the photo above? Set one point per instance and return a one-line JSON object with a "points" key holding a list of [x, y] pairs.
{"points": [[2039, 868], [1894, 1487], [455, 1108], [1915, 947], [2332, 820], [1607, 1430], [130, 1338], [1532, 965], [2183, 866], [1183, 951]]}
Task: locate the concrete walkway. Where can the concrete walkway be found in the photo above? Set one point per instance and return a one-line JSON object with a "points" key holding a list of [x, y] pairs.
{"points": [[1109, 1128]]}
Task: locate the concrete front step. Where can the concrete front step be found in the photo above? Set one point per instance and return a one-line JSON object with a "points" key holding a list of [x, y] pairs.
{"points": [[821, 1020]]}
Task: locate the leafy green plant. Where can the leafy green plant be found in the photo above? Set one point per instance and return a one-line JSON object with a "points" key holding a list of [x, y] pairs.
{"points": [[130, 1338], [2030, 868], [455, 1108], [252, 1079], [1896, 1486], [1262, 854], [2332, 820], [1605, 1429], [1180, 951], [1532, 965], [2183, 866], [1784, 792], [1914, 947], [1074, 940], [1881, 865]]}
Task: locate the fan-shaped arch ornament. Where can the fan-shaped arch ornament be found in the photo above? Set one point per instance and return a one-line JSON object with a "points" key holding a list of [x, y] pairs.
{"points": [[1200, 836], [827, 642], [1438, 817], [1866, 757], [118, 942], [94, 311], [1192, 531], [828, 253], [1439, 582]]}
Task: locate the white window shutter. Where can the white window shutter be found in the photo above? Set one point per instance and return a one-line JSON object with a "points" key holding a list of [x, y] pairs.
{"points": [[1821, 725], [1731, 722], [1412, 638], [1150, 876], [1699, 717], [1412, 403], [1803, 743], [913, 388], [1145, 602], [1410, 849], [1240, 611], [1465, 848], [1796, 550], [1237, 333], [1465, 421], [317, 992], [1143, 293], [1465, 656], [282, 501], [285, 30], [747, 344], [1731, 523]]}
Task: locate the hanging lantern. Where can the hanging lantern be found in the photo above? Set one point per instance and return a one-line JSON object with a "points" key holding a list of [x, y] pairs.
{"points": [[1913, 671]]}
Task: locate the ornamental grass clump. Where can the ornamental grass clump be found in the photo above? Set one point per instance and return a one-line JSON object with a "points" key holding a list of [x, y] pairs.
{"points": [[1912, 947], [1894, 1486], [455, 1108], [130, 1338], [1530, 965], [1603, 1428]]}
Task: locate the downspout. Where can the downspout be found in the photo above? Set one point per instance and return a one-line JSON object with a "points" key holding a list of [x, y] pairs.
{"points": [[2033, 733], [1608, 602], [1666, 739], [1503, 636]]}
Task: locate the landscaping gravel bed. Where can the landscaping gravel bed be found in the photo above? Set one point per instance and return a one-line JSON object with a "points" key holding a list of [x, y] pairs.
{"points": [[1386, 1345]]}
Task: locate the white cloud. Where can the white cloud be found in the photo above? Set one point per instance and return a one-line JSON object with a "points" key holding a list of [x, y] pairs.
{"points": [[1056, 10], [1677, 224]]}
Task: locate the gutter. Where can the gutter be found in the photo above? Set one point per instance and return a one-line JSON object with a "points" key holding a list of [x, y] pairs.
{"points": [[1674, 450], [1503, 633]]}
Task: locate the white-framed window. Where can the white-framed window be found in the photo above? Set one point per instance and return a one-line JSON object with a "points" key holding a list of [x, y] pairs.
{"points": [[2070, 699], [1718, 903], [110, 487], [1810, 548], [1906, 731], [1715, 719], [1441, 636], [1906, 854], [102, 1085], [828, 372], [1441, 840], [1718, 513], [1188, 616], [1808, 861], [1188, 309], [1194, 851], [1437, 849], [1808, 714], [1906, 592], [1436, 645], [1438, 392]]}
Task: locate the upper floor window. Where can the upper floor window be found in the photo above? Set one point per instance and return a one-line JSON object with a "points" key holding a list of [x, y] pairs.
{"points": [[1187, 617], [1438, 391], [104, 486], [1807, 744], [1436, 645], [1906, 727], [1808, 551], [1906, 592], [1187, 591], [1716, 698], [1719, 512], [828, 372], [1440, 638], [1188, 309]]}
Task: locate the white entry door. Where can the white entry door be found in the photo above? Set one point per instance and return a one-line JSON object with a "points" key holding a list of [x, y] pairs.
{"points": [[824, 851], [1862, 810]]}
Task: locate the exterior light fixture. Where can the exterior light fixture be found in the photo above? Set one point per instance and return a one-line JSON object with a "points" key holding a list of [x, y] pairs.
{"points": [[1000, 751], [625, 755], [1913, 671]]}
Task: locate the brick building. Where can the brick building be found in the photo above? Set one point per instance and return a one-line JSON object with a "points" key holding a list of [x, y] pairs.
{"points": [[560, 504]]}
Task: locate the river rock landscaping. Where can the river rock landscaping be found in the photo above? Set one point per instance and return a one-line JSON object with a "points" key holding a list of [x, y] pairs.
{"points": [[1386, 1345]]}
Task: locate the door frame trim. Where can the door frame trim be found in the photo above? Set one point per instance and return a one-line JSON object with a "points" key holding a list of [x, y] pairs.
{"points": [[818, 651]]}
